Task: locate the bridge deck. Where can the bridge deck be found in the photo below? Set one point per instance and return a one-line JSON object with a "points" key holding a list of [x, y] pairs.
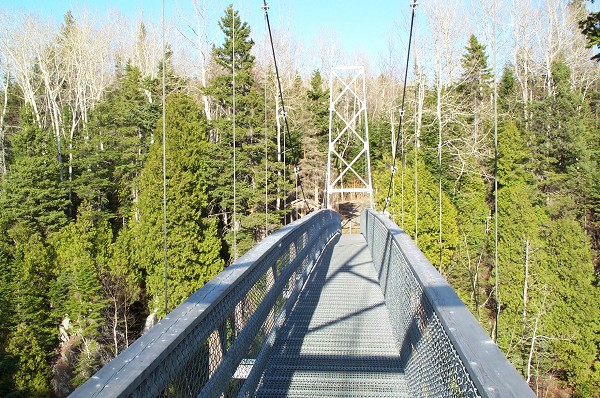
{"points": [[338, 341]]}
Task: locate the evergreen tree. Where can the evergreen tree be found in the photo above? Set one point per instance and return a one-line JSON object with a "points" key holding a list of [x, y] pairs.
{"points": [[193, 245], [424, 217], [110, 155], [469, 266], [564, 145], [32, 335], [249, 140], [82, 250], [476, 77], [572, 316], [313, 164], [122, 282], [507, 87], [7, 365], [32, 192], [590, 27]]}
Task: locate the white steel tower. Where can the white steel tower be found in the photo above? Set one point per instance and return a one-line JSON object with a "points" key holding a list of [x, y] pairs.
{"points": [[348, 161]]}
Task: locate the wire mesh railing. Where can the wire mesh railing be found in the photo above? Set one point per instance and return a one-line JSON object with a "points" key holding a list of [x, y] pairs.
{"points": [[444, 350], [215, 343]]}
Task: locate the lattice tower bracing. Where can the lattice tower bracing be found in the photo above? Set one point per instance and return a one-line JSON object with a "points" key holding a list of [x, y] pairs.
{"points": [[348, 160]]}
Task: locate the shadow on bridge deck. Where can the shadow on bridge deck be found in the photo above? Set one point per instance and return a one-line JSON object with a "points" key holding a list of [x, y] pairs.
{"points": [[338, 340]]}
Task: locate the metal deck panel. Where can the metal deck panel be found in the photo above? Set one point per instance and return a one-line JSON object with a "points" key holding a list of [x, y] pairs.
{"points": [[338, 341]]}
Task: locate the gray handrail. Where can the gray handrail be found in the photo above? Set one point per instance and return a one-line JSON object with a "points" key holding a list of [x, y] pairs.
{"points": [[197, 349], [446, 353]]}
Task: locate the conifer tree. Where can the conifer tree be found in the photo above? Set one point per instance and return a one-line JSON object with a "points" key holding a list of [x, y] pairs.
{"points": [[193, 246], [427, 226], [32, 334], [476, 76], [110, 155], [565, 142], [249, 139], [82, 251], [572, 316], [315, 138], [32, 192]]}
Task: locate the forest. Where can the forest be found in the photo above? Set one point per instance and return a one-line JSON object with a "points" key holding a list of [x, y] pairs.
{"points": [[505, 204]]}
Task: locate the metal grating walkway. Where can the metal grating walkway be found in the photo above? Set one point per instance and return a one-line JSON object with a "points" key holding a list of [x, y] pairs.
{"points": [[338, 341]]}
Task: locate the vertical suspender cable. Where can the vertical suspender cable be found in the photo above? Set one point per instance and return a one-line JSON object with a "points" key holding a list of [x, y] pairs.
{"points": [[266, 150], [235, 253], [416, 171], [403, 154], [413, 5], [394, 143], [497, 294], [164, 161], [440, 241]]}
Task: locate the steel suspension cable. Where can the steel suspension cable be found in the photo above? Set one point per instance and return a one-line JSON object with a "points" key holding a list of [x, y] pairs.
{"points": [[265, 8], [164, 162], [235, 253], [496, 276], [413, 5], [266, 155]]}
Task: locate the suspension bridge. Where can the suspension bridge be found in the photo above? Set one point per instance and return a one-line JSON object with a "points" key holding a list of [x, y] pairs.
{"points": [[313, 312]]}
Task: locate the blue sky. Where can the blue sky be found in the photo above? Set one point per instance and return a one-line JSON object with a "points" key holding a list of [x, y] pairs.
{"points": [[360, 26]]}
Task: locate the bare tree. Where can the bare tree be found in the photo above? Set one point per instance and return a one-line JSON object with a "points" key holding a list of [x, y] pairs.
{"points": [[20, 35], [195, 33], [328, 52], [523, 17], [555, 35]]}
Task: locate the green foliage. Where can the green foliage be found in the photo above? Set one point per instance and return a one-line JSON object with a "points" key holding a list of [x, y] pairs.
{"points": [[318, 107], [314, 125], [423, 228], [248, 146], [513, 157], [573, 316], [110, 155], [507, 87], [32, 373], [564, 142], [242, 61], [99, 272], [476, 78], [468, 266], [32, 335], [193, 244], [78, 297], [590, 27], [32, 192]]}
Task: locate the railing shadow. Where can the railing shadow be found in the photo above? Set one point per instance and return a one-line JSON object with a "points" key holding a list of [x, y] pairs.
{"points": [[279, 376]]}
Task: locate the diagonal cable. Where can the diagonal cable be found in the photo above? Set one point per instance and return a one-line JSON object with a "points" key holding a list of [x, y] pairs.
{"points": [[265, 8], [413, 5]]}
